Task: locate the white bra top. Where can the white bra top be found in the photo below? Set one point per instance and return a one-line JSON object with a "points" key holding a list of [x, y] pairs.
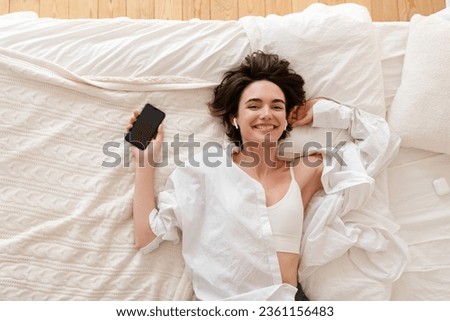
{"points": [[286, 219]]}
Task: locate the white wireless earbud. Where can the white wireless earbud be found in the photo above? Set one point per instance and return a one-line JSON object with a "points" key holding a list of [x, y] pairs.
{"points": [[235, 123]]}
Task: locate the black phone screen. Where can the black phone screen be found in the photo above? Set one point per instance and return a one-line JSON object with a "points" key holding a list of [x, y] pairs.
{"points": [[145, 127]]}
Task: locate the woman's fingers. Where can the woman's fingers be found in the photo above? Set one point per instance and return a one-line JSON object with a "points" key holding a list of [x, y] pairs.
{"points": [[134, 116], [292, 118]]}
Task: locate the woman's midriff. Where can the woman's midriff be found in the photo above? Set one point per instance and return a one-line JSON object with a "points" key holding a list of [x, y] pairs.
{"points": [[288, 266]]}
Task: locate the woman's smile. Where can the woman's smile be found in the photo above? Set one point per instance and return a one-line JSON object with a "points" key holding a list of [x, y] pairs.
{"points": [[265, 127]]}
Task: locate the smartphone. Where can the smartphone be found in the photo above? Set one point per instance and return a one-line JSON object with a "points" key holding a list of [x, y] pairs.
{"points": [[145, 127]]}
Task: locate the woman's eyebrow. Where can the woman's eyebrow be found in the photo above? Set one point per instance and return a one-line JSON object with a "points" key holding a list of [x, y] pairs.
{"points": [[276, 100]]}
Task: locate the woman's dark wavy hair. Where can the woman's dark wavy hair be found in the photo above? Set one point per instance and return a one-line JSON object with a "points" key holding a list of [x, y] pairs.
{"points": [[257, 66]]}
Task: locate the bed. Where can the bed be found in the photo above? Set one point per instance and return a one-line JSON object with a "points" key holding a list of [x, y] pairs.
{"points": [[68, 89]]}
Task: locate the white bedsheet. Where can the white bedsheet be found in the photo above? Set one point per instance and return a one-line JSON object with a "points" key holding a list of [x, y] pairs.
{"points": [[424, 216]]}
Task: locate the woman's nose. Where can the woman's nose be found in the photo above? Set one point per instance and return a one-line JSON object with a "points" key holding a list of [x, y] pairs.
{"points": [[266, 113]]}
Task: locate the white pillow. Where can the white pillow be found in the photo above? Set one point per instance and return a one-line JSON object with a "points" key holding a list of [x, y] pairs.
{"points": [[307, 140], [334, 48], [420, 111], [393, 37]]}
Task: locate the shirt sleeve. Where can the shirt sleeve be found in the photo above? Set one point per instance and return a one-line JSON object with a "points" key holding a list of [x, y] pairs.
{"points": [[351, 166], [165, 222], [181, 202]]}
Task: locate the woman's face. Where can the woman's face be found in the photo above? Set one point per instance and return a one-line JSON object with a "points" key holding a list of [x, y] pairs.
{"points": [[262, 112]]}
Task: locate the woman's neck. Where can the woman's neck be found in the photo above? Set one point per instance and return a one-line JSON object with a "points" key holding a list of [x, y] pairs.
{"points": [[258, 158]]}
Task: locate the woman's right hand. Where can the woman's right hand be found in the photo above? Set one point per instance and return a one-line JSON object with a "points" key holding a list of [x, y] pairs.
{"points": [[151, 154]]}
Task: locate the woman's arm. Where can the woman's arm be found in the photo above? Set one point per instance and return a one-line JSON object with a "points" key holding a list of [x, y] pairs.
{"points": [[143, 204], [144, 194], [353, 166], [308, 173]]}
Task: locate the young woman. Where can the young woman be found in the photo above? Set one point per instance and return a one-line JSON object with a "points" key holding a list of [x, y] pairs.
{"points": [[240, 220]]}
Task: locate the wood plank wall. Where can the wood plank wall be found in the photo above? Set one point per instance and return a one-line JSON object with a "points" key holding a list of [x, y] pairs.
{"points": [[381, 10]]}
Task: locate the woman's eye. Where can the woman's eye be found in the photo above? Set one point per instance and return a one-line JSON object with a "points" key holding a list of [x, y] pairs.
{"points": [[252, 107], [278, 107]]}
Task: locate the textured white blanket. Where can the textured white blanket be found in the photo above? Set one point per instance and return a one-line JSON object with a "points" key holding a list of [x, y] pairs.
{"points": [[67, 187]]}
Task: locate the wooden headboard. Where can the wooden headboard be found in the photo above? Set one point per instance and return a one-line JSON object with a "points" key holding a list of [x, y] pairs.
{"points": [[381, 10]]}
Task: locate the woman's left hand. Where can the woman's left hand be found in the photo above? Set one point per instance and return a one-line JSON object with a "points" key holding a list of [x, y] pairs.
{"points": [[302, 115]]}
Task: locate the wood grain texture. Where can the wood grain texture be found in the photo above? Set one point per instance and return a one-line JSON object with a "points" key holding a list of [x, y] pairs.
{"points": [[169, 9], [386, 10], [380, 10], [224, 10], [54, 8], [251, 8], [112, 8], [279, 7], [83, 9], [424, 7], [299, 5], [4, 7], [199, 9], [21, 5], [141, 9]]}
